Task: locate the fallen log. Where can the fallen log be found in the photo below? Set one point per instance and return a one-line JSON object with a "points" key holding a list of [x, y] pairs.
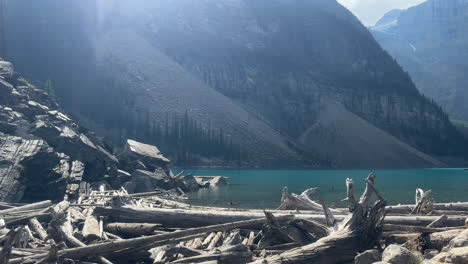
{"points": [[26, 207], [132, 229], [196, 218], [438, 222], [358, 232], [91, 229], [37, 227], [415, 229]]}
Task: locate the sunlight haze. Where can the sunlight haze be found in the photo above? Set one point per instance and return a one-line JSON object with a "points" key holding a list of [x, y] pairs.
{"points": [[370, 11]]}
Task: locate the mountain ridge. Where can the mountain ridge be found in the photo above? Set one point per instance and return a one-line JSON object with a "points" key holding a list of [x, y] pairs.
{"points": [[272, 71]]}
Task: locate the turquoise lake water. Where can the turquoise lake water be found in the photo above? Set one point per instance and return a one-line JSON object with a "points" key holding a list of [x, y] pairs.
{"points": [[262, 188]]}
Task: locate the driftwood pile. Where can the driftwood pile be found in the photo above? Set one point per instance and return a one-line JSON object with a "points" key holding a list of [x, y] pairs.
{"points": [[112, 226]]}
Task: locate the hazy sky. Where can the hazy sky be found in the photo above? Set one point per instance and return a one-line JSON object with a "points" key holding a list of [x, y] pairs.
{"points": [[369, 11]]}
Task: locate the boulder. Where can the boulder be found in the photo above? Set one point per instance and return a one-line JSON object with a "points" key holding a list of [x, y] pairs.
{"points": [[458, 255], [439, 240], [6, 69], [187, 183], [430, 253], [395, 254], [137, 154], [202, 182], [368, 257], [144, 181], [461, 240], [440, 258], [218, 181]]}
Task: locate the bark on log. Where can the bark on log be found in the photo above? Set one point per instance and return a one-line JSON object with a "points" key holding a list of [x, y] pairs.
{"points": [[359, 231]]}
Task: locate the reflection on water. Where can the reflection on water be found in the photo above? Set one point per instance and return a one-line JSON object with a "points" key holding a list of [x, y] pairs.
{"points": [[262, 188]]}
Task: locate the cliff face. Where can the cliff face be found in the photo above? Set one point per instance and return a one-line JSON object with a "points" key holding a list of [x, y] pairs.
{"points": [[262, 71], [44, 154], [429, 41]]}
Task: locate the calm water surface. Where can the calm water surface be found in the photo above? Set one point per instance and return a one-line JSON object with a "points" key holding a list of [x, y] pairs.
{"points": [[262, 188]]}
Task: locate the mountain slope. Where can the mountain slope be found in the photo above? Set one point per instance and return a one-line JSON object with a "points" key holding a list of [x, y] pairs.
{"points": [[429, 41], [258, 72]]}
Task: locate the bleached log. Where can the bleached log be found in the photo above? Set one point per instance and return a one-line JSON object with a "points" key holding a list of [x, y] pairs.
{"points": [[215, 240], [38, 205], [37, 228], [132, 229], [11, 238], [418, 229], [91, 229], [196, 218], [423, 203], [300, 202], [208, 239], [251, 238], [177, 217], [438, 222]]}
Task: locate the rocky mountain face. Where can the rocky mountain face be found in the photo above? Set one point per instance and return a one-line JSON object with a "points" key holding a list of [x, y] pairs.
{"points": [[429, 41], [265, 80], [45, 154]]}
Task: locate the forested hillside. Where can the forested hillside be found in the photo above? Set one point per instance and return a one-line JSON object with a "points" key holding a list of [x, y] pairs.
{"points": [[232, 82]]}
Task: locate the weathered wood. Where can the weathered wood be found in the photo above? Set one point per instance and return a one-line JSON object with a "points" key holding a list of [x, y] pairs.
{"points": [[176, 217], [196, 218], [438, 222], [37, 228], [11, 238], [423, 203], [312, 227], [106, 247], [299, 202], [38, 205], [418, 229], [208, 239], [215, 240], [91, 229], [131, 229]]}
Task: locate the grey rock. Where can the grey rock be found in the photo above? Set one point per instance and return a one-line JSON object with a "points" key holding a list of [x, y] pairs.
{"points": [[6, 69], [439, 240], [44, 154], [394, 254], [430, 253], [461, 240], [187, 183], [146, 181], [218, 181], [368, 257], [458, 255], [137, 155]]}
